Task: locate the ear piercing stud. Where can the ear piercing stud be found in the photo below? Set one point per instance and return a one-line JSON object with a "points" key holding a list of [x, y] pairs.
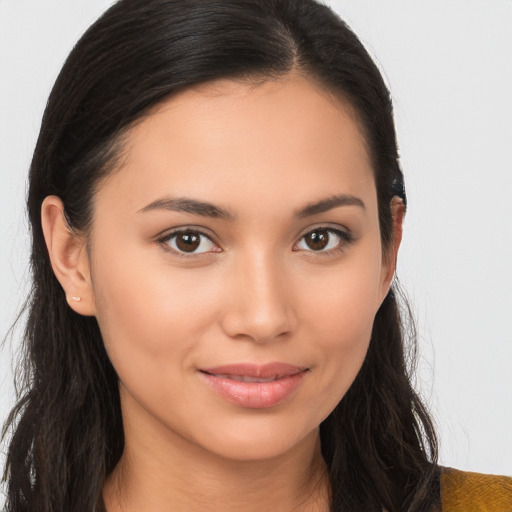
{"points": [[76, 299]]}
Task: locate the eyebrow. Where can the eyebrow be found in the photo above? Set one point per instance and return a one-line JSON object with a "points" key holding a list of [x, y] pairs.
{"points": [[205, 209], [183, 204], [324, 205]]}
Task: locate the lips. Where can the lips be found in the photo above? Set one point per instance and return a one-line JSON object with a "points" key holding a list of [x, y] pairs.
{"points": [[254, 386]]}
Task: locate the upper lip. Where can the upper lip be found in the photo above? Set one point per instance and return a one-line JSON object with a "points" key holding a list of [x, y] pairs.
{"points": [[265, 371]]}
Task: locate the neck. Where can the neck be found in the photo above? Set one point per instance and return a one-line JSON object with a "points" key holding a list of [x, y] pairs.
{"points": [[176, 475]]}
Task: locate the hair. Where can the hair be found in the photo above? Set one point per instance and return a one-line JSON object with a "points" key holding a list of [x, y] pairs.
{"points": [[66, 430]]}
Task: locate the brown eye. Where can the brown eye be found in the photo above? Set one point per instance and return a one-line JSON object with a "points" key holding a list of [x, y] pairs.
{"points": [[323, 240], [187, 242], [317, 240], [190, 242]]}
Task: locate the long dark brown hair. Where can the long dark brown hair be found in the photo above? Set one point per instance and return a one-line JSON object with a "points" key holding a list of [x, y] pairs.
{"points": [[66, 430]]}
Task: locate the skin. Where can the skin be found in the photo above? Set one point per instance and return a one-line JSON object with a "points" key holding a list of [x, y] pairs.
{"points": [[254, 292]]}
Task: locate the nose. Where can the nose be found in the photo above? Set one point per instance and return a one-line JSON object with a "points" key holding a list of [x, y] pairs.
{"points": [[260, 303]]}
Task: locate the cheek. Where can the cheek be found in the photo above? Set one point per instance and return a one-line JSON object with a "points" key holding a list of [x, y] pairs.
{"points": [[150, 316], [340, 316], [343, 302]]}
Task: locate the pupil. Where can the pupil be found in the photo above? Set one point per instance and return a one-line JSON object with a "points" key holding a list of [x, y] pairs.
{"points": [[187, 242], [317, 240]]}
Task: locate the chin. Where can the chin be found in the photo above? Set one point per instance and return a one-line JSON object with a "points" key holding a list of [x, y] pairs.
{"points": [[258, 441]]}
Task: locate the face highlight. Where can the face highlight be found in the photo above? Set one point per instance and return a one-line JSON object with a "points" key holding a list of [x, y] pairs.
{"points": [[237, 266]]}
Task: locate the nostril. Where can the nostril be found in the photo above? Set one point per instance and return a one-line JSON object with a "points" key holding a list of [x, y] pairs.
{"points": [[242, 324]]}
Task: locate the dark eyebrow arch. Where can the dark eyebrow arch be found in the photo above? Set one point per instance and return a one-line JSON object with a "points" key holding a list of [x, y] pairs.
{"points": [[329, 203], [183, 204]]}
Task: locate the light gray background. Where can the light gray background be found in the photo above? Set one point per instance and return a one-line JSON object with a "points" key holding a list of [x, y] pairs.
{"points": [[449, 67]]}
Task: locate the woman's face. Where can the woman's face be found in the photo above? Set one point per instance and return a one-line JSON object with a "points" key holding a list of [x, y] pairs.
{"points": [[237, 266]]}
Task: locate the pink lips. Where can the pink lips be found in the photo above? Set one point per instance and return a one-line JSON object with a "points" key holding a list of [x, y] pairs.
{"points": [[254, 386]]}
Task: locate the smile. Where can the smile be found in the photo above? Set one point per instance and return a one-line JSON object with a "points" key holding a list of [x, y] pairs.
{"points": [[252, 386]]}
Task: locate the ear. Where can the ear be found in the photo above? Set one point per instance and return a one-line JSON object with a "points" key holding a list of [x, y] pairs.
{"points": [[68, 257], [389, 260]]}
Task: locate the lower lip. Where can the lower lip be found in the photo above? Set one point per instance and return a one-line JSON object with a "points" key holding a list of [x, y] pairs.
{"points": [[254, 395]]}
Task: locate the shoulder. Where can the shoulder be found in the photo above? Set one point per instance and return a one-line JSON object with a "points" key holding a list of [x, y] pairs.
{"points": [[463, 491]]}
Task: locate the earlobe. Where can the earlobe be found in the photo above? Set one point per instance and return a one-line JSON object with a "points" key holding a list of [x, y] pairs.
{"points": [[68, 256]]}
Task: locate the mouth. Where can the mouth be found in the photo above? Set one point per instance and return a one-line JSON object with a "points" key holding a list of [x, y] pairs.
{"points": [[254, 386], [244, 378]]}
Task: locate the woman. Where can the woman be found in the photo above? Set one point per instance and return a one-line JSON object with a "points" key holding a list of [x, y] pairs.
{"points": [[216, 208]]}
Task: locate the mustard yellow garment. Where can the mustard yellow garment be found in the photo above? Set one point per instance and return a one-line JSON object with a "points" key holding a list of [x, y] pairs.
{"points": [[462, 491]]}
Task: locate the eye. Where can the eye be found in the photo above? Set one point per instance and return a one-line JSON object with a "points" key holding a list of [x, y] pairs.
{"points": [[189, 242], [323, 240]]}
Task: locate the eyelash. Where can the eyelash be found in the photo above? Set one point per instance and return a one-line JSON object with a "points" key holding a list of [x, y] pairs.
{"points": [[165, 239], [345, 238]]}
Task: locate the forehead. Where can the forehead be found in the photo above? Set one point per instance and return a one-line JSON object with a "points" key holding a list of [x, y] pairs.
{"points": [[228, 139]]}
